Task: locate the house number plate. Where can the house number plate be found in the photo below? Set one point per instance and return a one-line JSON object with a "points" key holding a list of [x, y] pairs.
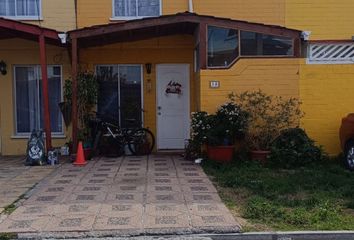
{"points": [[214, 84]]}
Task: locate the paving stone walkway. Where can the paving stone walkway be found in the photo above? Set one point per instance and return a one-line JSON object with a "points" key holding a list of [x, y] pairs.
{"points": [[130, 195], [16, 179]]}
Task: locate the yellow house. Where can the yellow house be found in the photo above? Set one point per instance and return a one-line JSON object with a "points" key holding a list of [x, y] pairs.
{"points": [[142, 49]]}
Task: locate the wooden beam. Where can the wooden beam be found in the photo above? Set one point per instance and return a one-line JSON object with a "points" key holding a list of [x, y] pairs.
{"points": [[45, 92], [74, 69], [185, 18], [297, 47], [29, 29], [203, 47]]}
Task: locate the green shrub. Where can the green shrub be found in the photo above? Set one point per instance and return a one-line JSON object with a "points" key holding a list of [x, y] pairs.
{"points": [[293, 148], [268, 116]]}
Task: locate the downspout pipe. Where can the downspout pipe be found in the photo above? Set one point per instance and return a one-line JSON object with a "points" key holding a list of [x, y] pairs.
{"points": [[190, 6]]}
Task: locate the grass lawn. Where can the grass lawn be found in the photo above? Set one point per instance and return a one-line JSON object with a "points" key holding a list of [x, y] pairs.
{"points": [[319, 197]]}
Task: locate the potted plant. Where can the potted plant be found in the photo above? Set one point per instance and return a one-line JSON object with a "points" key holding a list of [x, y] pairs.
{"points": [[86, 101], [219, 131], [268, 116]]}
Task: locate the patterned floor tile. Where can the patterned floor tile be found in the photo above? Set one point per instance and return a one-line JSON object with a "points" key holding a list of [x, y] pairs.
{"points": [[164, 198], [131, 197], [213, 220], [166, 222], [86, 197], [121, 209], [119, 223], [131, 194], [33, 224], [74, 222], [164, 188], [120, 188], [91, 188], [46, 198], [76, 208], [202, 198], [30, 211]]}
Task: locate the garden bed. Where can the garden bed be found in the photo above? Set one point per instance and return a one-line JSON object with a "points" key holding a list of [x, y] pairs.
{"points": [[319, 197]]}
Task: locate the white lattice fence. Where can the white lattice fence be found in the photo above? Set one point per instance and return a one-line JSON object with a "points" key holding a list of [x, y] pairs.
{"points": [[331, 53]]}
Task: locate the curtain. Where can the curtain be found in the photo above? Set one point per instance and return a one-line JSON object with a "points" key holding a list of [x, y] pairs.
{"points": [[149, 8], [27, 7], [120, 93], [19, 7], [29, 100], [125, 8], [133, 8]]}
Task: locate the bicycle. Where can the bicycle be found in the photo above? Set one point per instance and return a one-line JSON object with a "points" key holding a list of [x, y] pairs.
{"points": [[111, 140]]}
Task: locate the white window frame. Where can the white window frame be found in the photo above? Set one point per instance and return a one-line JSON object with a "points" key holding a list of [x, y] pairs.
{"points": [[330, 53], [29, 18], [38, 69], [118, 86], [114, 17]]}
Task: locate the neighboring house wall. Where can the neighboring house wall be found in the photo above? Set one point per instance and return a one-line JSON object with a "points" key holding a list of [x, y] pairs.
{"points": [[91, 12], [327, 95], [325, 89], [58, 15], [326, 19], [264, 11], [22, 52], [172, 49], [273, 76]]}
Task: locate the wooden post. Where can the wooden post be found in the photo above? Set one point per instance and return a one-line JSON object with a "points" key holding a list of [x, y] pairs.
{"points": [[203, 48], [74, 120], [43, 59]]}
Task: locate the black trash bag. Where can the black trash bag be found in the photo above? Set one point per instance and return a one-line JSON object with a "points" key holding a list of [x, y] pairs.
{"points": [[35, 149]]}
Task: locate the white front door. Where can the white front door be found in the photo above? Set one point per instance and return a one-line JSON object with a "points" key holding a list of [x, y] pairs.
{"points": [[173, 103]]}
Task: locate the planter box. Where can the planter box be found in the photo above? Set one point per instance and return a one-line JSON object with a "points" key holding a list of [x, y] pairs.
{"points": [[222, 154]]}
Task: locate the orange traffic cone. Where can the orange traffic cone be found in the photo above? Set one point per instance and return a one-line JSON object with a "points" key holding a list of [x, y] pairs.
{"points": [[80, 157]]}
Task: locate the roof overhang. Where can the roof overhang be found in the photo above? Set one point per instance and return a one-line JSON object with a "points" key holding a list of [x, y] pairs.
{"points": [[181, 23], [15, 29]]}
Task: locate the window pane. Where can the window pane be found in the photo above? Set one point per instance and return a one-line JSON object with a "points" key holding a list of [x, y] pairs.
{"points": [[149, 8], [7, 8], [125, 8], [54, 85], [33, 8], [108, 91], [130, 96], [54, 89], [11, 8], [257, 44], [273, 45], [29, 100], [222, 46], [27, 7], [2, 7], [26, 99], [119, 7], [21, 7]]}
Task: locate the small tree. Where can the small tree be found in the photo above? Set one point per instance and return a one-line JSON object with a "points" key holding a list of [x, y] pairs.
{"points": [[86, 99], [268, 116]]}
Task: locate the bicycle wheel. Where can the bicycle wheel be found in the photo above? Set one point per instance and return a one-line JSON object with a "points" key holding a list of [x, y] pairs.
{"points": [[141, 141], [108, 146], [96, 142]]}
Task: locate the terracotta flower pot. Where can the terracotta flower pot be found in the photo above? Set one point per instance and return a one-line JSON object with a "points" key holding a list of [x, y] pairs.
{"points": [[222, 154], [261, 156]]}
